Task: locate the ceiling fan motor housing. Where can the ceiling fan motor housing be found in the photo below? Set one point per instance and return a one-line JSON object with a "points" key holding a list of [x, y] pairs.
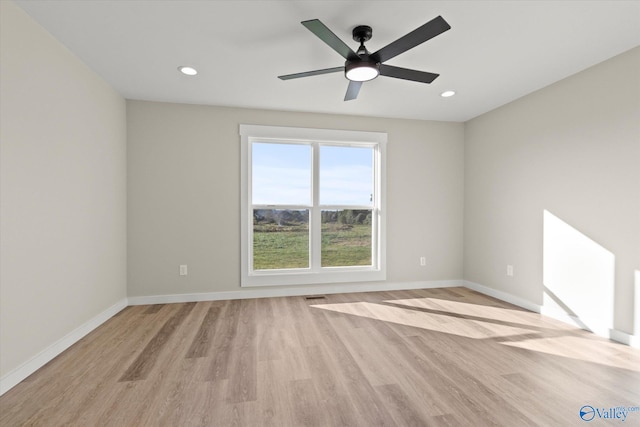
{"points": [[362, 33]]}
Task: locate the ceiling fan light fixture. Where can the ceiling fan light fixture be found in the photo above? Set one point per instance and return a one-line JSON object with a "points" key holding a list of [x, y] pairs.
{"points": [[189, 71], [361, 71]]}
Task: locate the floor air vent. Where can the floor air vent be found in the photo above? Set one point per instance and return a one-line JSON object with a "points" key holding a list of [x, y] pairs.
{"points": [[312, 297]]}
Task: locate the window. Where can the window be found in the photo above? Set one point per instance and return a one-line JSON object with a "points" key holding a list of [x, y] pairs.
{"points": [[312, 206]]}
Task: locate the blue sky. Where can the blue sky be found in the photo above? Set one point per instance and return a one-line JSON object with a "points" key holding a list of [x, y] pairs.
{"points": [[282, 174]]}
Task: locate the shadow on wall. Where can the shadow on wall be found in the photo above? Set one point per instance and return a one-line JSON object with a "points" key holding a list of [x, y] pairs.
{"points": [[578, 277]]}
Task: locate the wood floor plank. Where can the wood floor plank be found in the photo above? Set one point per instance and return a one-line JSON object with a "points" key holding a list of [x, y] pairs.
{"points": [[369, 407], [225, 334], [143, 364], [275, 409], [432, 357], [153, 308], [303, 399], [202, 342], [175, 373], [333, 396], [490, 404], [400, 406], [243, 356]]}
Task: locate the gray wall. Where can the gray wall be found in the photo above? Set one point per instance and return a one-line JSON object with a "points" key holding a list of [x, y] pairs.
{"points": [[184, 189], [572, 149], [62, 191]]}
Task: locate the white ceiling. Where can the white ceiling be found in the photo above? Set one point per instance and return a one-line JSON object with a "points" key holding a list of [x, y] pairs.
{"points": [[495, 52]]}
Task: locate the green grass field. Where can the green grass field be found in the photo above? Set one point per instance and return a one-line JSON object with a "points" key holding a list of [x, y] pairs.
{"points": [[346, 245], [280, 247], [277, 247]]}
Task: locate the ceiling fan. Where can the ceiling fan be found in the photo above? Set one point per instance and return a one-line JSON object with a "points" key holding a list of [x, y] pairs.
{"points": [[362, 66]]}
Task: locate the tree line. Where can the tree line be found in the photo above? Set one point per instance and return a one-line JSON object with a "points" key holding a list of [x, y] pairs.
{"points": [[289, 217]]}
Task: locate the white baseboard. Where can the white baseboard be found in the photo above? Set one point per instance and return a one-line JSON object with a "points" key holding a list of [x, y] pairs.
{"points": [[18, 374], [625, 338], [503, 296], [261, 292], [612, 334]]}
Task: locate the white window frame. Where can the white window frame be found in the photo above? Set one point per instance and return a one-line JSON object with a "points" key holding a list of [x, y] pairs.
{"points": [[315, 274]]}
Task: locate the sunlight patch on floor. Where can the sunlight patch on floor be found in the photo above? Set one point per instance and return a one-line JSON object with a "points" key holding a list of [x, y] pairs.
{"points": [[468, 328], [498, 314], [584, 349]]}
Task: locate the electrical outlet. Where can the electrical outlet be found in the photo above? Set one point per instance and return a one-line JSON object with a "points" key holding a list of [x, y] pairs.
{"points": [[183, 270], [510, 270], [423, 261]]}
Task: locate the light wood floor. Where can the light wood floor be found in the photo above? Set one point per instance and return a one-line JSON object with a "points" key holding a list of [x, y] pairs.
{"points": [[428, 357]]}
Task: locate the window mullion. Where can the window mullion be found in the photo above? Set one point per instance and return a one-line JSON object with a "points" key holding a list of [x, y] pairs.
{"points": [[316, 217], [377, 198]]}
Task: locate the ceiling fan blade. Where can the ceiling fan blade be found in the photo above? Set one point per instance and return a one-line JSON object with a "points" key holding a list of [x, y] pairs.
{"points": [[420, 35], [311, 73], [352, 90], [407, 74], [327, 36]]}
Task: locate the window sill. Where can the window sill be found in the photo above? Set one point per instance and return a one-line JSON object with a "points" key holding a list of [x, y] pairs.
{"points": [[308, 278]]}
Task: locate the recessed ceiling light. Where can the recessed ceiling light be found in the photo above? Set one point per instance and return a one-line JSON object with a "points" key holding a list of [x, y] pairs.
{"points": [[189, 71], [447, 93]]}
